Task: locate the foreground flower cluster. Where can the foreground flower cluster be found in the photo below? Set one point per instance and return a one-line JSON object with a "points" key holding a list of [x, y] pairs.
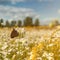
{"points": [[35, 44]]}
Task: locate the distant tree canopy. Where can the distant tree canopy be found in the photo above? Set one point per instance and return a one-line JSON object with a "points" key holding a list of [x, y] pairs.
{"points": [[19, 24], [37, 23], [13, 23], [54, 23], [28, 21], [1, 21], [7, 24]]}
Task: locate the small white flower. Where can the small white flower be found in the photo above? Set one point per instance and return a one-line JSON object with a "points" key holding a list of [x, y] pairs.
{"points": [[51, 45], [39, 58], [51, 54], [45, 54], [50, 58], [4, 47]]}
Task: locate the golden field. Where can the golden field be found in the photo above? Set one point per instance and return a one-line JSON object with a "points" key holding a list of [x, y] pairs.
{"points": [[33, 43]]}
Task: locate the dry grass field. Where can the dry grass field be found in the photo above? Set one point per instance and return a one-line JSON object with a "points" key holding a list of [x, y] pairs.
{"points": [[33, 43]]}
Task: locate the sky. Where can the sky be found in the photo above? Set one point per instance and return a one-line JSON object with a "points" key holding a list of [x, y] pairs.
{"points": [[45, 10]]}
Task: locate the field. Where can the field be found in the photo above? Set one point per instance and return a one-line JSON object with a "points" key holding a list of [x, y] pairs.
{"points": [[31, 44]]}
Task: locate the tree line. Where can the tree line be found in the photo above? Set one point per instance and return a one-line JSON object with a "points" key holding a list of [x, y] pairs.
{"points": [[28, 21]]}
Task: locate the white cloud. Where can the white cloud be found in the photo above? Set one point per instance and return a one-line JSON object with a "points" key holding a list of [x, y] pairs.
{"points": [[11, 1], [45, 0], [8, 12], [15, 1]]}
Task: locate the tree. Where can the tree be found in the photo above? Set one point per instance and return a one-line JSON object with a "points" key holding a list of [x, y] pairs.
{"points": [[1, 21], [36, 22], [7, 24], [28, 21], [19, 23], [54, 23], [13, 23]]}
